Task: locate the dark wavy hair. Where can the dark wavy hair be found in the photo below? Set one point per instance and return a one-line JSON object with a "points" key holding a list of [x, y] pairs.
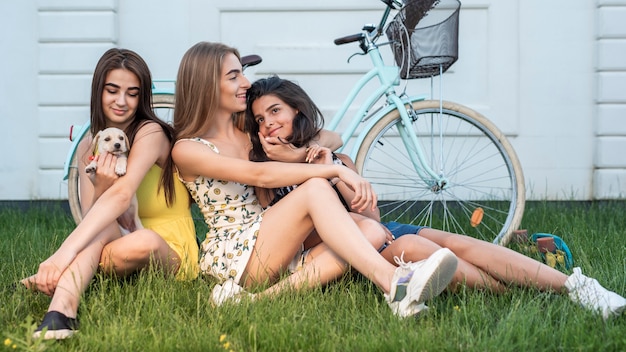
{"points": [[117, 58], [306, 125]]}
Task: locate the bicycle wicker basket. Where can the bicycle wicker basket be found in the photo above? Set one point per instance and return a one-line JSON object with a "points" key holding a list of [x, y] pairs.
{"points": [[425, 37]]}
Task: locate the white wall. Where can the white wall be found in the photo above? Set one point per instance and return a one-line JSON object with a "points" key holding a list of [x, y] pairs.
{"points": [[556, 97], [610, 127], [549, 74], [19, 165]]}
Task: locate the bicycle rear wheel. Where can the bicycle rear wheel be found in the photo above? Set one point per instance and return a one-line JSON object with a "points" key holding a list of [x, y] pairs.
{"points": [[163, 105], [484, 194], [73, 197]]}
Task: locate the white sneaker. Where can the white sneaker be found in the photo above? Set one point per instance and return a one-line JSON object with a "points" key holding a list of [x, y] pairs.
{"points": [[228, 290], [414, 283], [413, 308], [590, 294]]}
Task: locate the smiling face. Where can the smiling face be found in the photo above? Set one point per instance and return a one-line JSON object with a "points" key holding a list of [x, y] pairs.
{"points": [[274, 116], [120, 97], [280, 108], [233, 85]]}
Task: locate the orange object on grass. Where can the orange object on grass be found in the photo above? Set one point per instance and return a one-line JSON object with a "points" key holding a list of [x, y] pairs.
{"points": [[477, 217]]}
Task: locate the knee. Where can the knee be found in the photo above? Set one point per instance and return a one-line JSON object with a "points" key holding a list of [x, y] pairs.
{"points": [[414, 247], [147, 243], [373, 231], [455, 242], [137, 246], [317, 187], [461, 244]]}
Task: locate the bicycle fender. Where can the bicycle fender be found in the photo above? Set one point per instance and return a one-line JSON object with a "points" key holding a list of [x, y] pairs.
{"points": [[375, 118], [68, 159]]}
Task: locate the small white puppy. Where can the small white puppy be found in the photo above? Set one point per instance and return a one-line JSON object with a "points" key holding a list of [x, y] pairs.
{"points": [[113, 140]]}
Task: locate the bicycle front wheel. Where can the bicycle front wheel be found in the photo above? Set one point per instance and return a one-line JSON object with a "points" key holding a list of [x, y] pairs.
{"points": [[163, 105], [482, 194]]}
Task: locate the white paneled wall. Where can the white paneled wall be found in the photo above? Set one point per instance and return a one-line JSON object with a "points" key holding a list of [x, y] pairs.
{"points": [[610, 141], [550, 74], [72, 35]]}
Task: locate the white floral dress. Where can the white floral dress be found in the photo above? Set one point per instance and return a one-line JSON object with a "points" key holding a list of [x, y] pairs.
{"points": [[233, 214]]}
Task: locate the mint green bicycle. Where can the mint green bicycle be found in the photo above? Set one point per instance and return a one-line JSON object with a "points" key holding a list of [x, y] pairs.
{"points": [[432, 162]]}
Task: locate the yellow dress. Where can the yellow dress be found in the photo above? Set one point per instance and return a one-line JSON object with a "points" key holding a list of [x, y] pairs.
{"points": [[174, 224]]}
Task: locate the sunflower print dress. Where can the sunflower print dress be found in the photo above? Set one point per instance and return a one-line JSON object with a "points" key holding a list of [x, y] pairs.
{"points": [[233, 214]]}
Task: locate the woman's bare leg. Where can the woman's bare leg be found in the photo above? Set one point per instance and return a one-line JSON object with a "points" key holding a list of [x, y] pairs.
{"points": [[75, 279], [124, 255], [501, 263], [416, 248], [136, 251], [313, 204], [321, 264]]}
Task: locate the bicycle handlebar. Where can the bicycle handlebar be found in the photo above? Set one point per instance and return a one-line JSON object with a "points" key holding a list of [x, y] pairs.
{"points": [[360, 37], [349, 39], [250, 60]]}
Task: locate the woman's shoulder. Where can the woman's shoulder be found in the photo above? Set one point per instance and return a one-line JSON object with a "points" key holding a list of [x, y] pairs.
{"points": [[84, 149], [85, 142], [209, 144], [150, 127]]}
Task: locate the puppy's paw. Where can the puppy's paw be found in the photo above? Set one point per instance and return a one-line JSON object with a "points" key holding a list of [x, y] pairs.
{"points": [[120, 166], [91, 168], [120, 171]]}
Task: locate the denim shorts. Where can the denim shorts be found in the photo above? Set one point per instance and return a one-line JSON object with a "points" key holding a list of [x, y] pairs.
{"points": [[398, 229]]}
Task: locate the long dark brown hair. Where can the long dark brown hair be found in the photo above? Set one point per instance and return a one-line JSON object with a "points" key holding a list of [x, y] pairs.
{"points": [[306, 125], [117, 58]]}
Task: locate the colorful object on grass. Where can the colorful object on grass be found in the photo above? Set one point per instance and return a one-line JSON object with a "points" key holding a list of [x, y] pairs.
{"points": [[546, 244], [477, 217], [554, 259], [561, 255]]}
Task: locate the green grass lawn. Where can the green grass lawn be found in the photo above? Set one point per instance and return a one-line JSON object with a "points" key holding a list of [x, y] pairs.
{"points": [[150, 313]]}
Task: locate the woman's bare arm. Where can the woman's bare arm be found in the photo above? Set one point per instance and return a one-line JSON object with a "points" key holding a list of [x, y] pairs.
{"points": [[193, 159], [147, 149]]}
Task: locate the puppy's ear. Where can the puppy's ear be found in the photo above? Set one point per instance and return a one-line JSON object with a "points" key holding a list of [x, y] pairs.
{"points": [[94, 144], [127, 143]]}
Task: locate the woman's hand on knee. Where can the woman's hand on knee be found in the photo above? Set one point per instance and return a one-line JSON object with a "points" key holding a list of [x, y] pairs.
{"points": [[364, 195]]}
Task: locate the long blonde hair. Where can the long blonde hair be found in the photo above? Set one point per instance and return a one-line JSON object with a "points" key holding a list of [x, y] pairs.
{"points": [[198, 89]]}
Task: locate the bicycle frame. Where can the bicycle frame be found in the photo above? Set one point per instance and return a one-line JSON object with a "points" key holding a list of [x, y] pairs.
{"points": [[82, 130], [389, 78]]}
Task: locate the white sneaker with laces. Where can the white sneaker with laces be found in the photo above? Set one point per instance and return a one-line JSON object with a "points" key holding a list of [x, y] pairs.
{"points": [[228, 290], [590, 294], [414, 283]]}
